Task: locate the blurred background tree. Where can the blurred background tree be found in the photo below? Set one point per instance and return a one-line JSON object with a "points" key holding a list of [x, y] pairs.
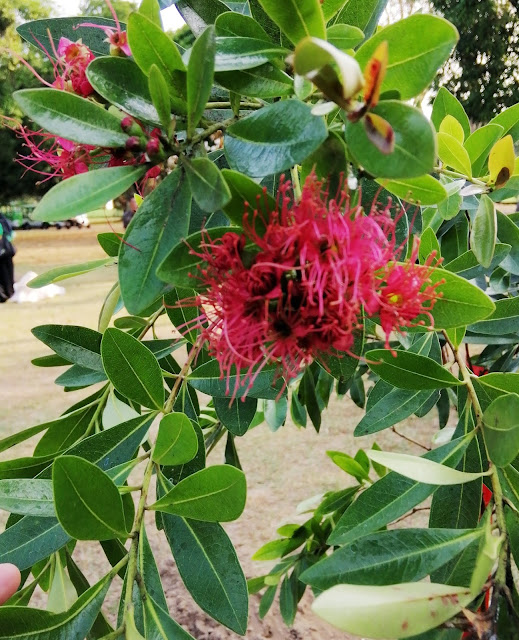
{"points": [[123, 8]]}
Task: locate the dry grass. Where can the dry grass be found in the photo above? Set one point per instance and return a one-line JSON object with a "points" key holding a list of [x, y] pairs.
{"points": [[282, 468]]}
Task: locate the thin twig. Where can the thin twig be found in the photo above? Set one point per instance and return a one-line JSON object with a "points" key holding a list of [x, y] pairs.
{"points": [[418, 444], [411, 513]]}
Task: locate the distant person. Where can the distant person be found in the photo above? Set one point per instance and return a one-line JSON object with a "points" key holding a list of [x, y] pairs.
{"points": [[7, 252], [9, 581]]}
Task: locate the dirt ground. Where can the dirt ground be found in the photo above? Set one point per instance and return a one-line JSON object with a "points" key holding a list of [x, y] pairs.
{"points": [[282, 468]]}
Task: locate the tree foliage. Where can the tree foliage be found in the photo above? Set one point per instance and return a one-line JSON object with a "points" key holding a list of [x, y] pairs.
{"points": [[123, 8]]}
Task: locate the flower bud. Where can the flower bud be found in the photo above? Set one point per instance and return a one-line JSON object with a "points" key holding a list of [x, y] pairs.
{"points": [[133, 144], [127, 124], [153, 147]]}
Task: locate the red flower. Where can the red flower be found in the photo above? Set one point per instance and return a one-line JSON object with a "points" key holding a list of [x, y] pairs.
{"points": [[300, 289], [117, 38]]}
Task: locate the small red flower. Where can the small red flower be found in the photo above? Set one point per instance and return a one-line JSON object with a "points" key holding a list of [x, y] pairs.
{"points": [[117, 39], [299, 290]]}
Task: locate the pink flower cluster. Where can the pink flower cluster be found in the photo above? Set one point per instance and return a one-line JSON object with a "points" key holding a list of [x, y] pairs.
{"points": [[73, 59], [301, 289]]}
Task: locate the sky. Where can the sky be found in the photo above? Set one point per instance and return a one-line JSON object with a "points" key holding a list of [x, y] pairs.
{"points": [[170, 17]]}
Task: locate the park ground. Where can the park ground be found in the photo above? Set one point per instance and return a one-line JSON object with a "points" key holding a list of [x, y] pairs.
{"points": [[282, 468]]}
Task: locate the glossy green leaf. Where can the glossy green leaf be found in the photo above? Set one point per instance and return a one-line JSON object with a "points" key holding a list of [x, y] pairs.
{"points": [[509, 120], [363, 14], [461, 302], [150, 45], [417, 48], [62, 594], [422, 470], [344, 36], [479, 145], [391, 497], [76, 344], [239, 53], [237, 416], [403, 610], [70, 271], [236, 24], [453, 128], [110, 242], [209, 567], [247, 196], [159, 625], [71, 117], [27, 497], [35, 624], [37, 33], [453, 154], [390, 557], [85, 192], [508, 232], [161, 221], [121, 82], [256, 147], [159, 93], [177, 441], [483, 234], [88, 504], [407, 370], [207, 379], [215, 494], [504, 319], [66, 431], [132, 369], [468, 266], [179, 267], [200, 74], [446, 104], [265, 81], [200, 13], [415, 149], [501, 429], [207, 184], [424, 190], [297, 19], [151, 9]]}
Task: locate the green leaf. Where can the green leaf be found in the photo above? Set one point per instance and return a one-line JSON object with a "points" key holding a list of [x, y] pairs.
{"points": [[76, 344], [150, 45], [344, 36], [278, 548], [66, 431], [88, 504], [151, 9], [446, 104], [483, 234], [132, 369], [501, 429], [200, 75], [364, 14], [255, 145], [85, 192], [415, 148], [62, 593], [161, 221], [72, 117], [247, 196], [69, 271], [215, 494], [265, 81], [27, 497], [468, 266], [417, 48], [453, 128], [451, 206], [179, 472], [237, 416], [403, 610], [207, 184], [390, 557], [177, 442], [479, 145], [461, 302], [424, 190], [121, 82], [422, 470], [297, 19], [200, 13], [348, 464], [239, 53], [159, 93], [209, 567], [453, 154], [159, 625], [237, 24], [37, 33], [508, 232], [407, 370], [504, 319], [35, 624], [207, 379], [179, 266], [391, 497], [509, 120]]}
